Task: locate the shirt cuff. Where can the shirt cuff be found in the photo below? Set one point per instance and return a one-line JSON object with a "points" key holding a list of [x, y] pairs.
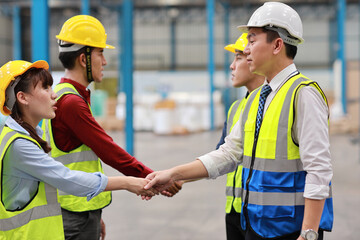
{"points": [[318, 192], [209, 165], [101, 188]]}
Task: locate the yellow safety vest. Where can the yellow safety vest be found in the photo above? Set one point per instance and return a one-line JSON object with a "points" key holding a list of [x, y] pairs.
{"points": [[40, 218], [81, 159], [273, 174], [233, 181]]}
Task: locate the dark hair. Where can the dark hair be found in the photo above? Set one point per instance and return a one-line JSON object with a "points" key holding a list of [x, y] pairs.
{"points": [[29, 80], [289, 49], [68, 58]]}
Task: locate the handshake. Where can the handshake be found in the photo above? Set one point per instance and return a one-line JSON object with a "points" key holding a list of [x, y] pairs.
{"points": [[167, 182], [153, 184]]}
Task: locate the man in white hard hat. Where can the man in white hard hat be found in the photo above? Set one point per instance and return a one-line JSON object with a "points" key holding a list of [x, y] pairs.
{"points": [[282, 139], [241, 77]]}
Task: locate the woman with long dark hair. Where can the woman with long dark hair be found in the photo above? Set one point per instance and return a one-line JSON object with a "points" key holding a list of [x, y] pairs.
{"points": [[29, 176]]}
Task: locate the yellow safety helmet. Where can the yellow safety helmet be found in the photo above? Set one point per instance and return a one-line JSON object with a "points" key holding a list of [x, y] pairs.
{"points": [[8, 73], [84, 30], [240, 44]]}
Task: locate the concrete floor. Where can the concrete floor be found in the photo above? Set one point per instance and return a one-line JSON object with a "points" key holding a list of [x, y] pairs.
{"points": [[197, 212]]}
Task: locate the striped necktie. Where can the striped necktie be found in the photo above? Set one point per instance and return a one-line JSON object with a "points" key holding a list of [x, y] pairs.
{"points": [[265, 91]]}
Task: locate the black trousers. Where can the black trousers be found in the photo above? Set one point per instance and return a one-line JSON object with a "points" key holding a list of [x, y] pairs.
{"points": [[233, 228], [82, 225]]}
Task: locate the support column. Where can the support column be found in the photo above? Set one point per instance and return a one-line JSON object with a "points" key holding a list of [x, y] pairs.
{"points": [[85, 7], [227, 91], [17, 50], [40, 30], [173, 44], [341, 24], [127, 71], [210, 8]]}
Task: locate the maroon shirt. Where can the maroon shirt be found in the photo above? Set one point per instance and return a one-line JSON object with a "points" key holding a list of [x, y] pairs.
{"points": [[74, 125]]}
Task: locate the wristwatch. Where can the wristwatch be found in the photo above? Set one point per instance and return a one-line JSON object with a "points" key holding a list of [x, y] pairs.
{"points": [[309, 234]]}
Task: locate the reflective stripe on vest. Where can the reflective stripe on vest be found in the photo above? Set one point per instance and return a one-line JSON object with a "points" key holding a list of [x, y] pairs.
{"points": [[71, 157], [41, 217], [233, 182], [231, 115], [273, 174], [68, 90], [81, 159]]}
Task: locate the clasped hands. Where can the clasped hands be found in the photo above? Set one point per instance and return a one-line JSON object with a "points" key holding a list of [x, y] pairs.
{"points": [[155, 183], [162, 181]]}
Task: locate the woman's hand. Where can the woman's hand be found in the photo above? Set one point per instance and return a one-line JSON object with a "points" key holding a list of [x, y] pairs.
{"points": [[136, 185]]}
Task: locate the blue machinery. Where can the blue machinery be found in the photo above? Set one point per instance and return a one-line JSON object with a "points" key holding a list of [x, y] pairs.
{"points": [[40, 48]]}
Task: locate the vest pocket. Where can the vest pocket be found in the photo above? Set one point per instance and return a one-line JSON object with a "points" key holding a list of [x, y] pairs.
{"points": [[249, 131], [249, 126], [277, 181], [276, 196]]}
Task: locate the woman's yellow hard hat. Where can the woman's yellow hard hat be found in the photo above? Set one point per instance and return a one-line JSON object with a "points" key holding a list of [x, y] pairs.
{"points": [[8, 73], [84, 30]]}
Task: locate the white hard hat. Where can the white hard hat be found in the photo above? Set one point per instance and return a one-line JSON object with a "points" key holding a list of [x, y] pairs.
{"points": [[277, 16]]}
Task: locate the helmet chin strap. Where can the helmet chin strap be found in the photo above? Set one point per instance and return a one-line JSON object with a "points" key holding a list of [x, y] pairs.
{"points": [[88, 64]]}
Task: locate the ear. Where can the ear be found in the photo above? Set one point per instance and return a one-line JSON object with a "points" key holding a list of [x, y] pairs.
{"points": [[278, 46], [82, 60], [22, 98]]}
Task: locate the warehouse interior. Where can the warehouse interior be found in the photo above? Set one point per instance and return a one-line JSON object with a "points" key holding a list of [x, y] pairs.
{"points": [[167, 83], [176, 55]]}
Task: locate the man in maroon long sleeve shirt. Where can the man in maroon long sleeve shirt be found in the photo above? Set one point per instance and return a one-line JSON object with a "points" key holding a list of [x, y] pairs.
{"points": [[74, 125], [77, 139]]}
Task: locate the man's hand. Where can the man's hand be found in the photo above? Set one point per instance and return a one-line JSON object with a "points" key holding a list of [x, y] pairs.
{"points": [[174, 189]]}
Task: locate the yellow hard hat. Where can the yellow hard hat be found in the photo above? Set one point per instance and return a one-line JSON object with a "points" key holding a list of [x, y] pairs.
{"points": [[240, 44], [8, 73], [84, 30]]}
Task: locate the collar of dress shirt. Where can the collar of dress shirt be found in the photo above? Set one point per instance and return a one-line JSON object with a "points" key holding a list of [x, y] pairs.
{"points": [[11, 123], [282, 77]]}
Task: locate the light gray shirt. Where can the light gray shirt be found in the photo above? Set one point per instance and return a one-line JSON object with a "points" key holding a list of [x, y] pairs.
{"points": [[310, 130]]}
